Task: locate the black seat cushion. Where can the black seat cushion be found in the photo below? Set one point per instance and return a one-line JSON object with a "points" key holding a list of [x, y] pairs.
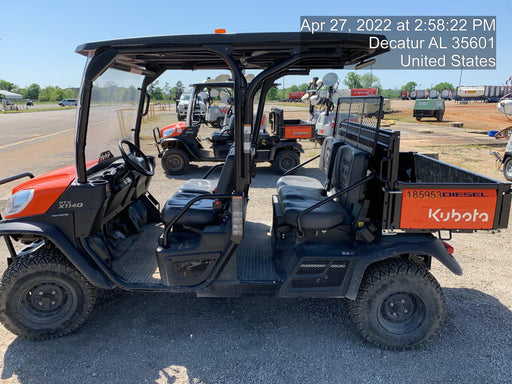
{"points": [[199, 214], [351, 166], [199, 186], [330, 147], [224, 184], [326, 216], [219, 137], [295, 181]]}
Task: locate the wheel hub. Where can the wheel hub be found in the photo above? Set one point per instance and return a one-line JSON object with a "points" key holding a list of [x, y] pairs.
{"points": [[46, 297], [399, 307], [286, 163], [175, 162]]}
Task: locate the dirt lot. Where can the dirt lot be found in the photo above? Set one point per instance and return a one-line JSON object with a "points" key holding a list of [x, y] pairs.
{"points": [[148, 338], [475, 115]]}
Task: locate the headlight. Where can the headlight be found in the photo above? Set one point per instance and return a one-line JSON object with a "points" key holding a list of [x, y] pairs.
{"points": [[17, 202], [168, 132]]}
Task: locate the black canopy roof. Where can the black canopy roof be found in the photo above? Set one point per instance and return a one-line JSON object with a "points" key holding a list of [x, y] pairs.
{"points": [[248, 50]]}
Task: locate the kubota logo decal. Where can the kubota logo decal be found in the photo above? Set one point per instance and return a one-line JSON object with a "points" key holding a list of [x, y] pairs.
{"points": [[475, 216], [447, 208]]}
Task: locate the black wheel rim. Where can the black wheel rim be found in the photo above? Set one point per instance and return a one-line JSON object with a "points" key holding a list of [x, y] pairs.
{"points": [[174, 163], [401, 312], [286, 163], [47, 303]]}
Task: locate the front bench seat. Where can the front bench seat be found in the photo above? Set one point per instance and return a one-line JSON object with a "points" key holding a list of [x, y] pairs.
{"points": [[200, 213], [224, 183]]}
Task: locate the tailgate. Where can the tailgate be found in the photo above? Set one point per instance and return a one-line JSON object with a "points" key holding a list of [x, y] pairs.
{"points": [[433, 195]]}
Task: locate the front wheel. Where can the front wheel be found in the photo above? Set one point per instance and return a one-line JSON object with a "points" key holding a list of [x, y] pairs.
{"points": [[400, 305], [174, 161], [42, 296], [285, 160], [507, 169]]}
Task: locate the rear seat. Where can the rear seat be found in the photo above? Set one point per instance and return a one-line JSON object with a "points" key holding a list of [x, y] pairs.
{"points": [[326, 164], [350, 166]]}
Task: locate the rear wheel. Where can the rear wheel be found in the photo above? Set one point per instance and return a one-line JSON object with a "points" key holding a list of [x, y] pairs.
{"points": [[285, 160], [400, 305], [439, 115], [507, 169], [418, 118], [42, 296], [174, 161]]}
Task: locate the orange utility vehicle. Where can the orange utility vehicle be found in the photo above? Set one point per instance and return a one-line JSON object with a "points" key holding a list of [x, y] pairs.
{"points": [[367, 230]]}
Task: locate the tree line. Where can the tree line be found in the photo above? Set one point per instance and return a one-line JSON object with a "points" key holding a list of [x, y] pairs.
{"points": [[35, 92], [171, 93]]}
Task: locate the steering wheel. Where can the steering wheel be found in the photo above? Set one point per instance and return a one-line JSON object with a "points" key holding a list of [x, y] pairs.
{"points": [[136, 159]]}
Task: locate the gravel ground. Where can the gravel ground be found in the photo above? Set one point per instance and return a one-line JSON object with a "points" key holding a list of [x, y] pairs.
{"points": [[165, 338]]}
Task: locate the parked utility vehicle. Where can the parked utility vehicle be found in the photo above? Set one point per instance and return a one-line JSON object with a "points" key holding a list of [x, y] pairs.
{"points": [[366, 232], [428, 108], [199, 110], [179, 143]]}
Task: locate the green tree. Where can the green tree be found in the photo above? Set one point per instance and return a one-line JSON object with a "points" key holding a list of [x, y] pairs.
{"points": [[369, 80], [303, 87], [6, 85], [443, 85], [32, 92], [409, 87], [273, 94], [46, 94], [352, 80], [167, 90], [390, 93], [155, 91], [180, 88]]}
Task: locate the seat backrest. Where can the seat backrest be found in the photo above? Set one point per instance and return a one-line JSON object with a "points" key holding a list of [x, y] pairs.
{"points": [[226, 182], [350, 166], [330, 147], [276, 118]]}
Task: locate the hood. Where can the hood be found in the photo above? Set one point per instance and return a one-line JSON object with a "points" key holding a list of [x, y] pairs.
{"points": [[47, 189], [174, 129]]}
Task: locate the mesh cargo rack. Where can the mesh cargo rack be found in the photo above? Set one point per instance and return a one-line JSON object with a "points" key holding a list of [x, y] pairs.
{"points": [[358, 121]]}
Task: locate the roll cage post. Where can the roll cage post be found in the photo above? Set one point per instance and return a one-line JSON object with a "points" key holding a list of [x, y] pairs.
{"points": [[95, 68]]}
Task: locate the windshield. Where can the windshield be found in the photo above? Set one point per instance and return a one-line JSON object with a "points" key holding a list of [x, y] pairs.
{"points": [[113, 112]]}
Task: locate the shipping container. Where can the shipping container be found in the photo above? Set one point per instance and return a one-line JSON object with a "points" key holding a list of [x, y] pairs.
{"points": [[296, 95]]}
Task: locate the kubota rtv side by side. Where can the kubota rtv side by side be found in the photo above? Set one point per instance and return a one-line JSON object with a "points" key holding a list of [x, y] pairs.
{"points": [[366, 232], [179, 144]]}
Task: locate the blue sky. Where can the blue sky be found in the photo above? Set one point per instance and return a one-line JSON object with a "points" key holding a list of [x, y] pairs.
{"points": [[38, 38]]}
